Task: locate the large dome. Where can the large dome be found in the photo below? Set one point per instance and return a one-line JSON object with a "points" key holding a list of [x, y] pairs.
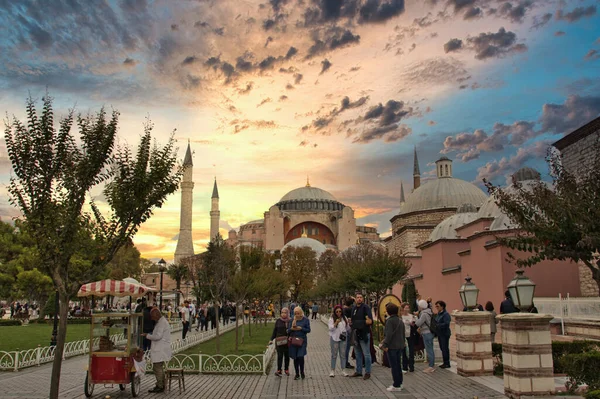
{"points": [[308, 193], [306, 242], [447, 228], [445, 192]]}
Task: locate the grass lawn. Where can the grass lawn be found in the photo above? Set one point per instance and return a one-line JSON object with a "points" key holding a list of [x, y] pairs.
{"points": [[254, 345], [32, 335]]}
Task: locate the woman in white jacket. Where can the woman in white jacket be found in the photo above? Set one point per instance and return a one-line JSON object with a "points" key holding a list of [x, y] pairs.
{"points": [[338, 335], [160, 351]]}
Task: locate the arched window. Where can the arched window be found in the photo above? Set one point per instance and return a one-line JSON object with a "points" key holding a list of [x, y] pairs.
{"points": [[447, 170]]}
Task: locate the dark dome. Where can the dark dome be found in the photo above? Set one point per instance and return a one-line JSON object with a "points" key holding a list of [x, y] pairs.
{"points": [[525, 174]]}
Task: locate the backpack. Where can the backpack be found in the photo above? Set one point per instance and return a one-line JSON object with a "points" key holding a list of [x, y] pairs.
{"points": [[433, 325]]}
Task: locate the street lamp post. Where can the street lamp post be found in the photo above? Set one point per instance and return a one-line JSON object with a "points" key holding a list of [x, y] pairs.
{"points": [[522, 290], [161, 269], [468, 294]]}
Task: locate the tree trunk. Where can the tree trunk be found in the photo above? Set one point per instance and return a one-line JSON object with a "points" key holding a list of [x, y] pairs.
{"points": [[250, 325], [237, 334], [218, 338], [60, 344], [595, 269]]}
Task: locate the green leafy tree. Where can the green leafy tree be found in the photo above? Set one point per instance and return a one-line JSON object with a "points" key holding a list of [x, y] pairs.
{"points": [[125, 263], [35, 286], [53, 173], [299, 265], [218, 267], [325, 264], [560, 220], [178, 273]]}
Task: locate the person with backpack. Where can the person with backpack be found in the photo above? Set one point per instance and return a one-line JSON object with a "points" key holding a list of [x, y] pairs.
{"points": [[443, 319], [426, 323]]}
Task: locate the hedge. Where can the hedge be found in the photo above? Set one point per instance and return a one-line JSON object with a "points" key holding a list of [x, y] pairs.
{"points": [[10, 323], [593, 394], [583, 368], [76, 320], [497, 354]]}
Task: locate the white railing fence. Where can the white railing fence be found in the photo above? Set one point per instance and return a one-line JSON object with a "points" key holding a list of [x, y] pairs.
{"points": [[568, 307], [16, 360]]}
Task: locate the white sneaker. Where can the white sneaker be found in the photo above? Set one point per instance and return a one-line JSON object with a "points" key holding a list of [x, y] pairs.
{"points": [[344, 374], [404, 371], [332, 374], [392, 388]]}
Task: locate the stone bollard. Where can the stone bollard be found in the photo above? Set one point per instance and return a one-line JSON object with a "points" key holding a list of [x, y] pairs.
{"points": [[473, 343], [527, 355]]}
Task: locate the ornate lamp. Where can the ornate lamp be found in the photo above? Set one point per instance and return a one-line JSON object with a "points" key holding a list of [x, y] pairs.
{"points": [[521, 291], [161, 268], [468, 294]]}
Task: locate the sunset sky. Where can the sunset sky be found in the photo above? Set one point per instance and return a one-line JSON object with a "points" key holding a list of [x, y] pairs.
{"points": [[270, 92]]}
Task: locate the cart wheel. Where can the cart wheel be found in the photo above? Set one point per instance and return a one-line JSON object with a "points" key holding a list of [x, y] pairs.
{"points": [[122, 387], [88, 388], [135, 385]]}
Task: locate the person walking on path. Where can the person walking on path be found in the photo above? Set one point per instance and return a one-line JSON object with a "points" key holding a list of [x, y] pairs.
{"points": [[424, 322], [280, 336], [299, 326], [160, 351], [361, 320], [185, 318], [443, 320], [411, 335], [315, 311], [348, 315], [337, 339], [489, 306], [394, 344]]}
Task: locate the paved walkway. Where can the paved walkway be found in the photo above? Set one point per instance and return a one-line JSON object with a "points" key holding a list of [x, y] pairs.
{"points": [[34, 382]]}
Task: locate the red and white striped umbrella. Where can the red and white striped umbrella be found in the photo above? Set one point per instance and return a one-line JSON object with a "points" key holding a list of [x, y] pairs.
{"points": [[116, 288]]}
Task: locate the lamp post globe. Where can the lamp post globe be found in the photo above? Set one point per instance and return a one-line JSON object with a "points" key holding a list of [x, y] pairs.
{"points": [[161, 268], [521, 290], [468, 294]]}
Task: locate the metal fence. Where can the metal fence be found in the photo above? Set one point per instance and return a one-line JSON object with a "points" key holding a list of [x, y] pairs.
{"points": [[569, 308]]}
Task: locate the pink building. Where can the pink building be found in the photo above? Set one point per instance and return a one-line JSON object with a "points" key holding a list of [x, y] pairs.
{"points": [[465, 244]]}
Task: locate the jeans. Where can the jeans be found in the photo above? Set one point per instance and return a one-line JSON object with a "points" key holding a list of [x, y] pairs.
{"points": [[394, 359], [408, 362], [299, 365], [283, 353], [428, 341], [362, 348], [159, 373], [337, 348], [444, 341], [186, 327]]}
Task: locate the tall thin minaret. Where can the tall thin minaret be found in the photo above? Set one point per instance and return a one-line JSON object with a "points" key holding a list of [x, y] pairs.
{"points": [[416, 172], [215, 214], [185, 244], [402, 201]]}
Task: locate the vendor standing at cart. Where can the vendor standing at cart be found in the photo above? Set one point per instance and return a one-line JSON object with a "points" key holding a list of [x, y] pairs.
{"points": [[160, 351]]}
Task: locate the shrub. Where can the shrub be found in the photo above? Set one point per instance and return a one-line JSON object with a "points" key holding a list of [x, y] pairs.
{"points": [[583, 368], [497, 355], [593, 394], [10, 323], [560, 349]]}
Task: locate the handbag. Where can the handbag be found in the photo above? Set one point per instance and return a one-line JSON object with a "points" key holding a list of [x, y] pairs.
{"points": [[343, 336], [296, 341], [282, 340]]}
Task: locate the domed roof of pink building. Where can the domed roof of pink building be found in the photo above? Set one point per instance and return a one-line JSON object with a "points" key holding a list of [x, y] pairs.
{"points": [[308, 193], [445, 192]]}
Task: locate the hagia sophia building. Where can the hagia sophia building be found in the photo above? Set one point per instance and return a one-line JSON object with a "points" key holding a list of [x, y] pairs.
{"points": [[446, 228]]}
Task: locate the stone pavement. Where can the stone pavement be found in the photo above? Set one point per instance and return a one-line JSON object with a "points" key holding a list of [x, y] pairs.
{"points": [[34, 382]]}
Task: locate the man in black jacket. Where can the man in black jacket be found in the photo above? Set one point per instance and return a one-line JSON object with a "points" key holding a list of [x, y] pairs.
{"points": [[507, 305], [394, 344], [361, 320]]}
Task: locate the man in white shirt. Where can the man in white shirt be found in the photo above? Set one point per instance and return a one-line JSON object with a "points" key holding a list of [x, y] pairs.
{"points": [[192, 314], [185, 318], [160, 351]]}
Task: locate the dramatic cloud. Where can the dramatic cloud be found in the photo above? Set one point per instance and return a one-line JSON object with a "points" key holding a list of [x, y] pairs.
{"points": [[460, 4], [473, 13], [324, 121], [507, 166], [573, 113], [576, 14], [130, 62], [381, 122], [540, 21], [325, 65], [331, 39], [298, 78], [434, 72], [491, 45], [453, 45], [366, 11], [592, 55], [380, 10], [516, 13]]}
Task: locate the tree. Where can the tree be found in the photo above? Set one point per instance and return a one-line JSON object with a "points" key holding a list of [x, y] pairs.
{"points": [[217, 268], [53, 173], [35, 286], [299, 266], [126, 263], [325, 264], [560, 220], [178, 273], [148, 266]]}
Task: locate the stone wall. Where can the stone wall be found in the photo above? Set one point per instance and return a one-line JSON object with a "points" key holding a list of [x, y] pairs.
{"points": [[580, 155], [408, 240], [422, 218], [589, 287]]}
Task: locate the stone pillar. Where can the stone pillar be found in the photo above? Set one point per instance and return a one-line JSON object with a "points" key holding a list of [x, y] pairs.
{"points": [[473, 343], [527, 354]]}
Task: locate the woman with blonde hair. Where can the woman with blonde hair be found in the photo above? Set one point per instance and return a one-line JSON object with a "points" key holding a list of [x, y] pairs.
{"points": [[299, 326]]}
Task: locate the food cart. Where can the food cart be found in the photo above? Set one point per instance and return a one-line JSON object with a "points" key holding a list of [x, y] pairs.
{"points": [[119, 336]]}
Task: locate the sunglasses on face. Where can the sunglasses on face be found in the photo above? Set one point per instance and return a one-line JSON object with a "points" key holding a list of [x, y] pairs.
{"points": [[338, 311]]}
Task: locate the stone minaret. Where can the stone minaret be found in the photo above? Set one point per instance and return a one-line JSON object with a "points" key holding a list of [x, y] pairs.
{"points": [[402, 200], [185, 244], [215, 214], [416, 173]]}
